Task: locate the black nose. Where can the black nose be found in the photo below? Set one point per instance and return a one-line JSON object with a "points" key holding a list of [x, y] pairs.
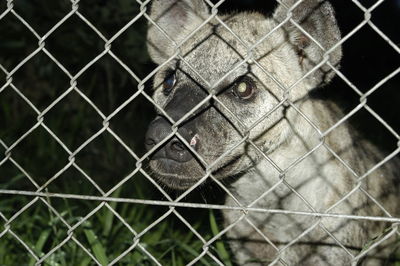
{"points": [[174, 149]]}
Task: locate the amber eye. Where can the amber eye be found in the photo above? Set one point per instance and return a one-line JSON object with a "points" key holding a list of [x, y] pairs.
{"points": [[169, 83], [244, 88]]}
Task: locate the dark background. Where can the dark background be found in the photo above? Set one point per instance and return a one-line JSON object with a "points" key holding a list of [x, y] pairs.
{"points": [[367, 59]]}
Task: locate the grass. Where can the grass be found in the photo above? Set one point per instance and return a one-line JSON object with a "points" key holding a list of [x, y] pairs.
{"points": [[103, 234]]}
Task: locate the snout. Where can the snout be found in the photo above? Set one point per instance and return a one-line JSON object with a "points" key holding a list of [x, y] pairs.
{"points": [[173, 149]]}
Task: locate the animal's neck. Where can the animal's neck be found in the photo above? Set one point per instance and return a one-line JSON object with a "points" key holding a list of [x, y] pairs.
{"points": [[297, 158]]}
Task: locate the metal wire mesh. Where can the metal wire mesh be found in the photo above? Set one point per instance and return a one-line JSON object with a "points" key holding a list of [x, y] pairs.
{"points": [[105, 199]]}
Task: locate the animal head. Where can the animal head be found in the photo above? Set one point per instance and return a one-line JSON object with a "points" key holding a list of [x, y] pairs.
{"points": [[224, 82]]}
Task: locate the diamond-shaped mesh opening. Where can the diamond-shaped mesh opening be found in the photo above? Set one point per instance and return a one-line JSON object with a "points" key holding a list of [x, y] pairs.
{"points": [[348, 18], [114, 15], [107, 241], [16, 115], [51, 229], [234, 5], [252, 241], [2, 153], [73, 181], [283, 196], [107, 84], [215, 41], [40, 164], [260, 235], [106, 161], [14, 251], [360, 202], [140, 187], [388, 247], [39, 79], [17, 40], [12, 178], [84, 44], [2, 225], [382, 16], [2, 78], [73, 120], [42, 15], [171, 238], [3, 6], [70, 253], [309, 244], [370, 127], [363, 64], [380, 243], [130, 123], [12, 204], [132, 41], [74, 209]]}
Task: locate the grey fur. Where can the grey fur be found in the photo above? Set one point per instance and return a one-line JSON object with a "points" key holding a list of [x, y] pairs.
{"points": [[284, 135]]}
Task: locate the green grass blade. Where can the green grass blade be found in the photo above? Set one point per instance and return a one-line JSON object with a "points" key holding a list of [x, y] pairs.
{"points": [[39, 244], [96, 246], [193, 252], [109, 216], [156, 235], [221, 250], [86, 261], [12, 181]]}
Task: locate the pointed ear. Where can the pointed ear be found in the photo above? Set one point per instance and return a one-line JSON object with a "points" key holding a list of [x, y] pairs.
{"points": [[317, 18], [178, 18]]}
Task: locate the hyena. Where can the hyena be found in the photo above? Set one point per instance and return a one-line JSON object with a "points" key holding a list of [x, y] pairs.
{"points": [[257, 128]]}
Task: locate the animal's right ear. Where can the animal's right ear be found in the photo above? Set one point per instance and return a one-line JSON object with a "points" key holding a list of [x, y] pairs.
{"points": [[177, 18], [317, 18]]}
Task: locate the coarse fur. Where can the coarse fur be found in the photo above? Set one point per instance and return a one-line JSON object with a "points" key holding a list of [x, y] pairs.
{"points": [[275, 146]]}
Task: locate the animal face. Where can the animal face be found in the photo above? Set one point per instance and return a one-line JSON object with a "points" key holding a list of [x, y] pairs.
{"points": [[227, 93]]}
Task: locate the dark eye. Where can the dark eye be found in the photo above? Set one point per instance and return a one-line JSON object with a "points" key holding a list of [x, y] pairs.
{"points": [[169, 83], [244, 88]]}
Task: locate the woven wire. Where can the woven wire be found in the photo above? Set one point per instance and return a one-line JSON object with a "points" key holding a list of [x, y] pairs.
{"points": [[40, 193]]}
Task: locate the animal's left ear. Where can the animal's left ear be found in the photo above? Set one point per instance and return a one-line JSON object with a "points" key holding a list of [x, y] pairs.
{"points": [[177, 18], [317, 18]]}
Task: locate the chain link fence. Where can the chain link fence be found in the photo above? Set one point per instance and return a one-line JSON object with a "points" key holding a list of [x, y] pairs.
{"points": [[210, 250]]}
